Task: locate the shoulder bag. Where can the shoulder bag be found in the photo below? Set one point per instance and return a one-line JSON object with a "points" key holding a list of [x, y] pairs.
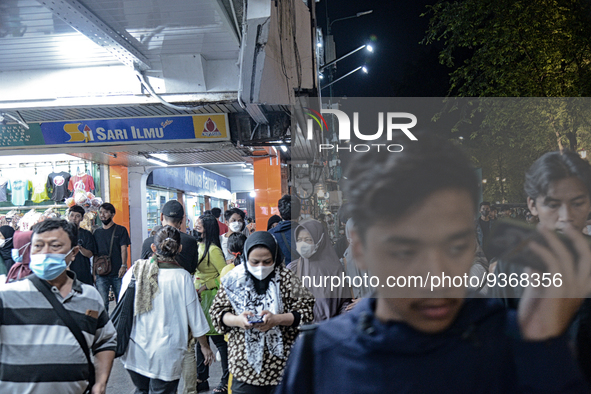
{"points": [[122, 318], [63, 314], [102, 264]]}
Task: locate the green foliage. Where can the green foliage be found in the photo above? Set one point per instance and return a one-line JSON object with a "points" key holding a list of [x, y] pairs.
{"points": [[516, 48]]}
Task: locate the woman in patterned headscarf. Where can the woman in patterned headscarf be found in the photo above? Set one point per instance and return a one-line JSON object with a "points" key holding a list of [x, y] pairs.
{"points": [[260, 305]]}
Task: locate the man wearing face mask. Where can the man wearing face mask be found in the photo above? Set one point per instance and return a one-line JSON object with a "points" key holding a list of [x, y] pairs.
{"points": [[235, 220], [117, 252], [38, 368]]}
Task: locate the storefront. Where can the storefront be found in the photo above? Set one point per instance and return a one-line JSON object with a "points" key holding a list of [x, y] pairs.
{"points": [[198, 190], [46, 185]]}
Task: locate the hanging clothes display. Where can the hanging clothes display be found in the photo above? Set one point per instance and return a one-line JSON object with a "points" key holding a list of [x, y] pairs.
{"points": [[39, 189], [57, 183], [20, 191], [81, 182]]}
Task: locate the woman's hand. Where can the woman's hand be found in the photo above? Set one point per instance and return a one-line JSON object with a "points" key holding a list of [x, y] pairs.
{"points": [[270, 320], [240, 321]]}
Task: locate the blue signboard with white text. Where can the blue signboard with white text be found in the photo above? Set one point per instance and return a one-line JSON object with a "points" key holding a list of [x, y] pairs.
{"points": [[192, 179]]}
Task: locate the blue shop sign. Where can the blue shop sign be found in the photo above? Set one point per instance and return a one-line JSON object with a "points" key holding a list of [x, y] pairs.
{"points": [[193, 180]]}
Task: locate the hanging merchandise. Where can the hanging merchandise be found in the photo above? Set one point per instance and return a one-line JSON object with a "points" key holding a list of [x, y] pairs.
{"points": [[39, 189], [50, 213], [29, 220], [82, 182], [20, 191], [57, 184]]}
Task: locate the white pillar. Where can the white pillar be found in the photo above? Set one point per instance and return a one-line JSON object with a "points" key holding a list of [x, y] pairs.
{"points": [[138, 209]]}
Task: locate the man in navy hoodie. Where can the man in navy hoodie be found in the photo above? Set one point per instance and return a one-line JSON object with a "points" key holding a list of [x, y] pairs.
{"points": [[289, 210], [413, 217]]}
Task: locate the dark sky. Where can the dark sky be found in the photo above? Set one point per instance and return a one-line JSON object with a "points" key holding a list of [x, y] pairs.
{"points": [[399, 66]]}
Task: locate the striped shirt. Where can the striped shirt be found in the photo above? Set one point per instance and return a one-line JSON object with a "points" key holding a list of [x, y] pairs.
{"points": [[38, 352]]}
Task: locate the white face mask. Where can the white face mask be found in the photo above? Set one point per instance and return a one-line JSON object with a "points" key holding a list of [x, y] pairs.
{"points": [[305, 249], [236, 227], [2, 242], [261, 271]]}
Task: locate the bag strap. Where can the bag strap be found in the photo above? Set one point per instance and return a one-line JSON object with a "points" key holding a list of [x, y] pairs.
{"points": [[112, 238], [61, 311], [307, 356]]}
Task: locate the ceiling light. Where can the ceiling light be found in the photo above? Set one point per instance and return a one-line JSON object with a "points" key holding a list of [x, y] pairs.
{"points": [[284, 148], [252, 194]]}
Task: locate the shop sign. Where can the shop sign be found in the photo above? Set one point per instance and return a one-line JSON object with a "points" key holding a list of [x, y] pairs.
{"points": [[191, 179], [203, 127]]}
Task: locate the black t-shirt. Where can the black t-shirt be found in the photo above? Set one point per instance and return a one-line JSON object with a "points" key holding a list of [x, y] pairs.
{"points": [[81, 264], [58, 183], [188, 258], [103, 241]]}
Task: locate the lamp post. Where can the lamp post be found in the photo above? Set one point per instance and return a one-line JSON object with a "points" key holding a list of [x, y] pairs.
{"points": [[357, 15], [369, 48], [346, 75]]}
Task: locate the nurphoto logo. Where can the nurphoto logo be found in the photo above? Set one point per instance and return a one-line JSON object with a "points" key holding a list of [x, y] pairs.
{"points": [[392, 120]]}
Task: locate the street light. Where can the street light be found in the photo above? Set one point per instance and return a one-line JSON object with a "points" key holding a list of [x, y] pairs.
{"points": [[357, 15], [346, 75], [369, 48]]}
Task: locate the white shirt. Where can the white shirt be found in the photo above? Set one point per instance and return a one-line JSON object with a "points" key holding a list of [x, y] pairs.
{"points": [[159, 338], [224, 244]]}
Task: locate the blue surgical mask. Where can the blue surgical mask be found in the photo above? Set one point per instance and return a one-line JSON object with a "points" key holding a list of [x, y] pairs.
{"points": [[48, 266], [16, 257], [16, 253]]}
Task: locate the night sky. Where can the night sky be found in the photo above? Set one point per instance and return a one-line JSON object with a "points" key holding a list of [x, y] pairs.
{"points": [[399, 66]]}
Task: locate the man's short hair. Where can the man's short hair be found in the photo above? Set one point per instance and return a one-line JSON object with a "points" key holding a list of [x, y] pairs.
{"points": [[228, 214], [484, 203], [384, 186], [216, 212], [54, 224], [107, 206], [77, 209], [289, 207], [554, 166]]}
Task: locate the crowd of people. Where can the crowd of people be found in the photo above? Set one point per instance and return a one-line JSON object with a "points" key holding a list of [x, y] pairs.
{"points": [[278, 327]]}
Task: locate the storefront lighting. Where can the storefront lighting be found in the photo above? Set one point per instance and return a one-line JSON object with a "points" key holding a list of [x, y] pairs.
{"points": [[252, 194], [156, 161], [284, 148]]}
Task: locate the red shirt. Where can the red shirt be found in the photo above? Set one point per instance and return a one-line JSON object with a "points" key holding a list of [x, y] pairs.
{"points": [[223, 228]]}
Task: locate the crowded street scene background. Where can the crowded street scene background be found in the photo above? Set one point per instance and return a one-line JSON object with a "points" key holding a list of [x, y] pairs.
{"points": [[295, 197]]}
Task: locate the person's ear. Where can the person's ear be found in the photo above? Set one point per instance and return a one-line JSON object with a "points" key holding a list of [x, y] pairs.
{"points": [[74, 252], [358, 250], [531, 204], [161, 218], [153, 247]]}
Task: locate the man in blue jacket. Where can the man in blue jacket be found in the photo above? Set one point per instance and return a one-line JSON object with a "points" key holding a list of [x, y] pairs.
{"points": [[413, 219], [289, 210]]}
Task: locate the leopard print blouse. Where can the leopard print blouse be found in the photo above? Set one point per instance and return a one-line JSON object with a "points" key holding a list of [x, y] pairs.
{"points": [[295, 298]]}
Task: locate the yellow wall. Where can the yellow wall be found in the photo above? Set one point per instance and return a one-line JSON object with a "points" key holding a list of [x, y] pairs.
{"points": [[119, 197]]}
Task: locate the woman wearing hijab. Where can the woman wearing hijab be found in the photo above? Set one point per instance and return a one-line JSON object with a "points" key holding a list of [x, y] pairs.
{"points": [[260, 306], [6, 245], [317, 261], [165, 307]]}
